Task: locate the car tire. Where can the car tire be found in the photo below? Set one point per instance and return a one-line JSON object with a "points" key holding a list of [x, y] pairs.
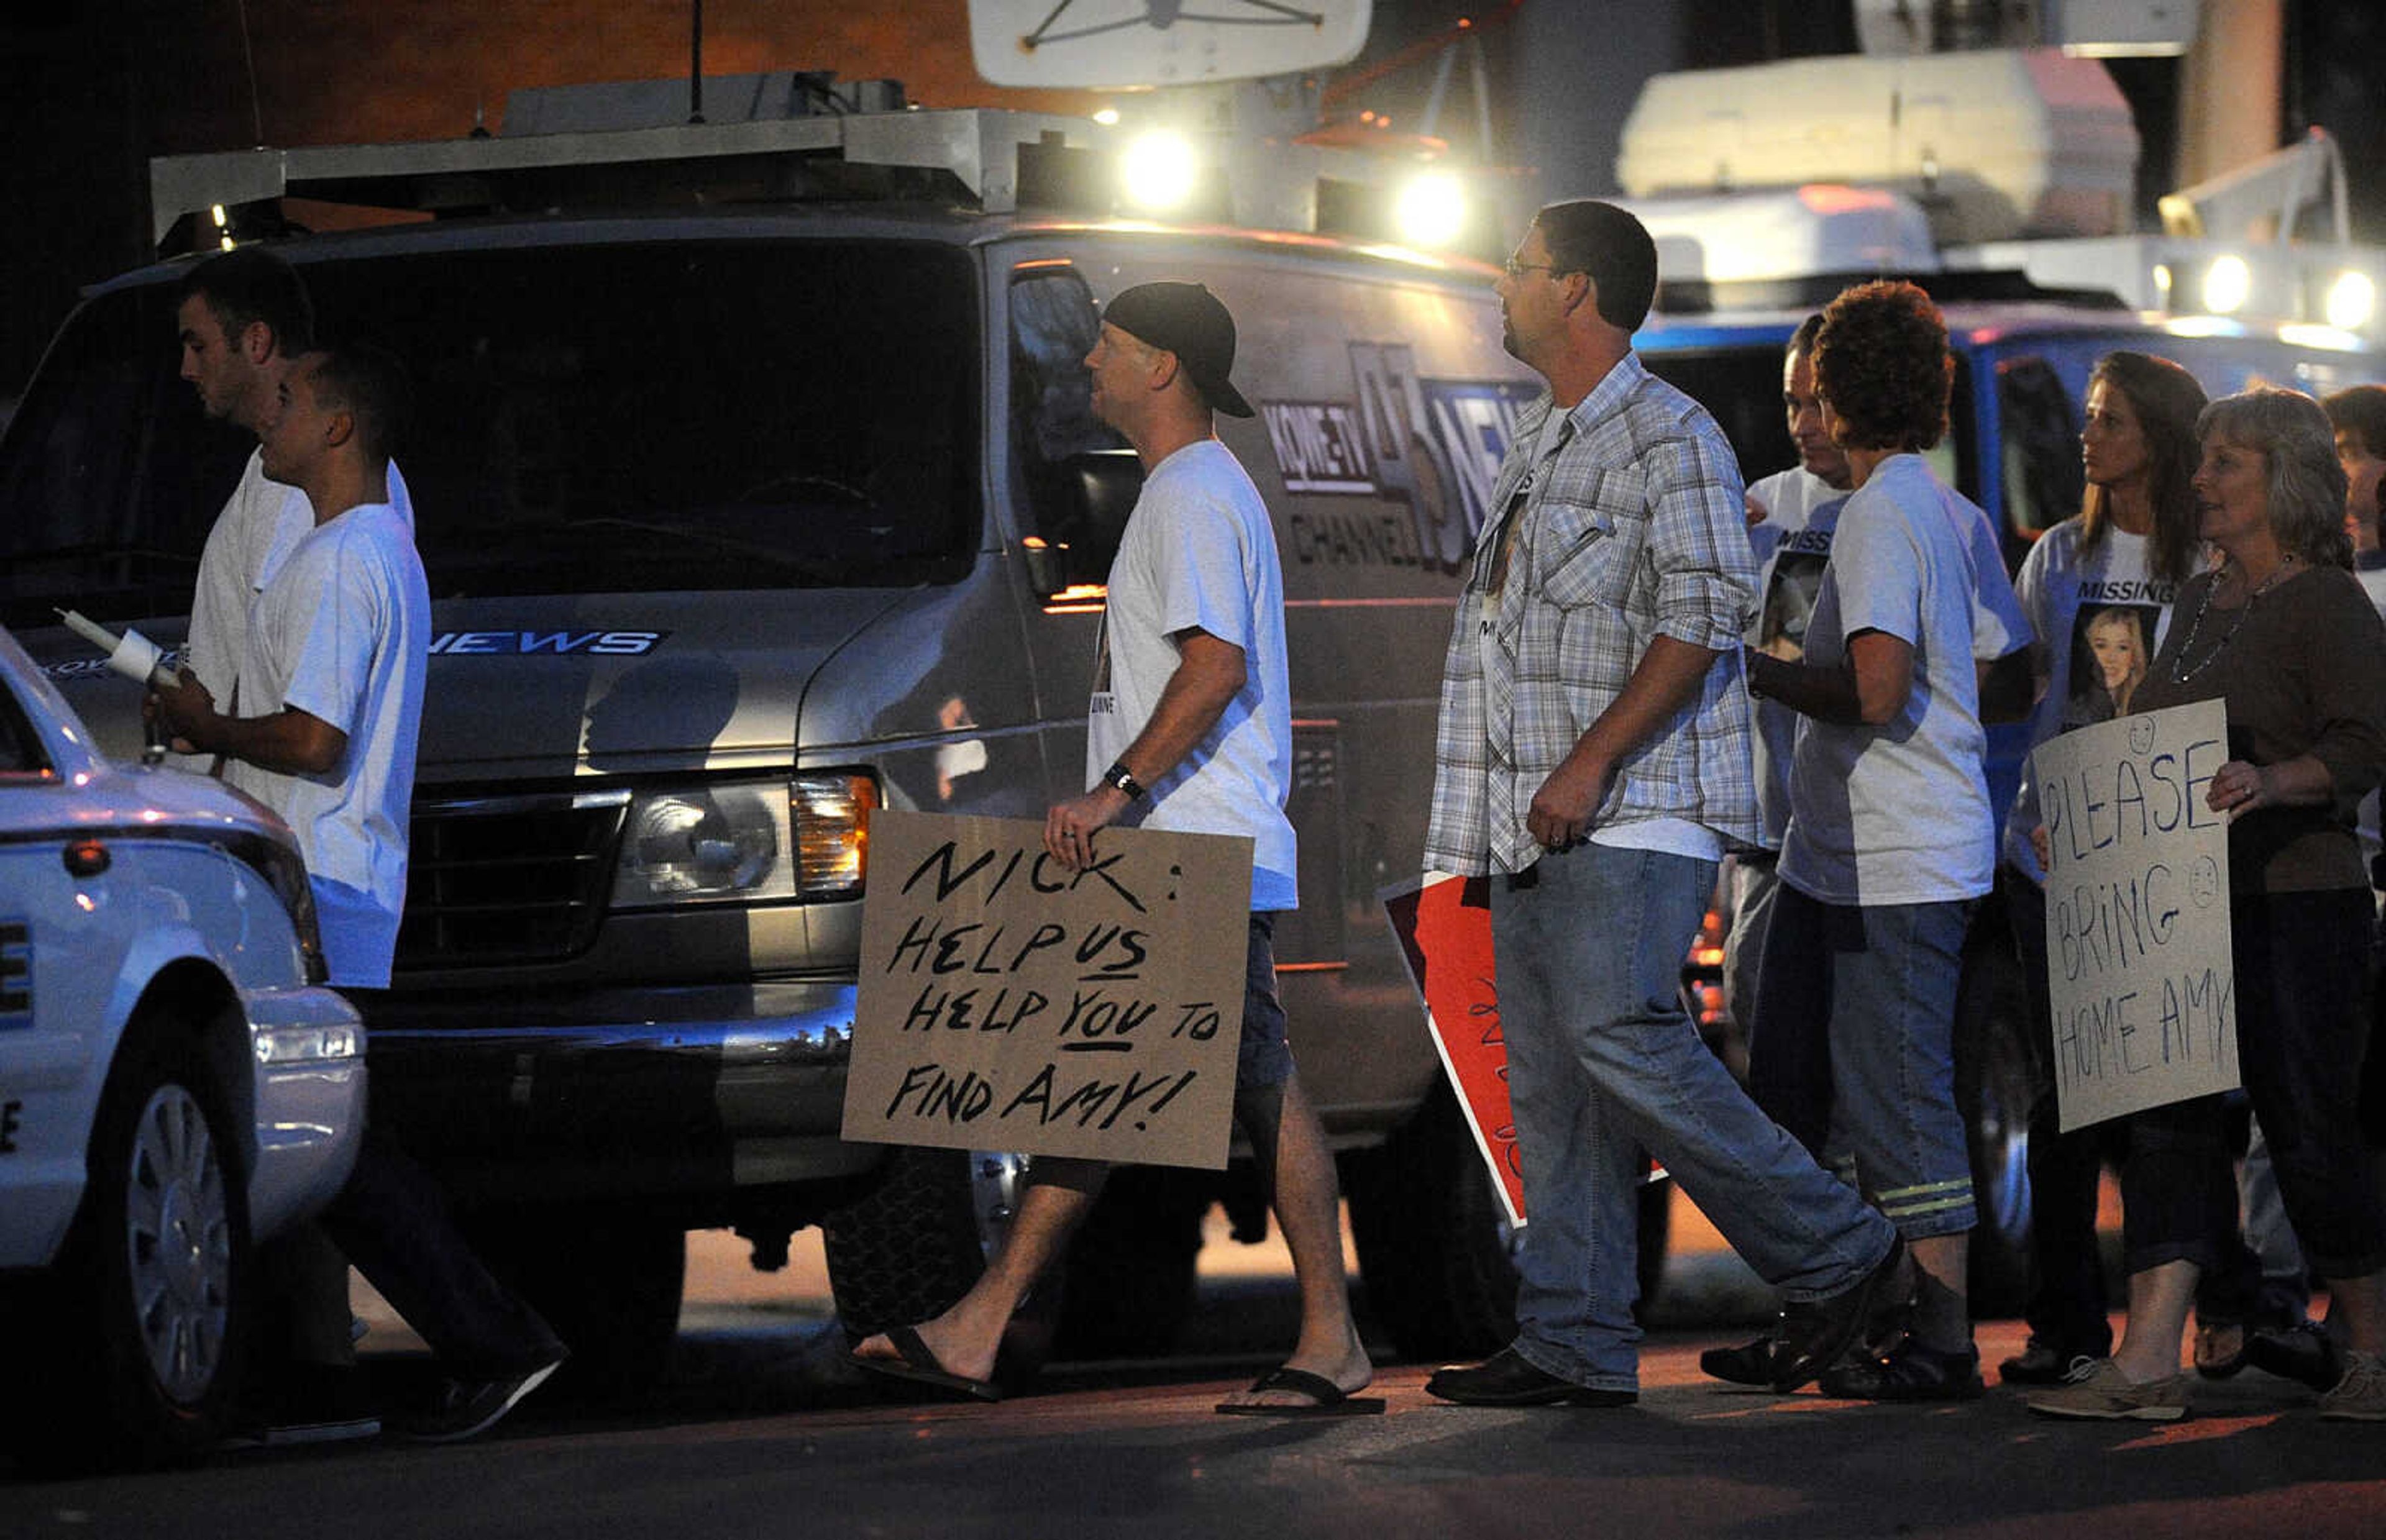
{"points": [[907, 1248], [1433, 1239], [1128, 1286], [141, 1358], [1994, 1090], [1435, 1251]]}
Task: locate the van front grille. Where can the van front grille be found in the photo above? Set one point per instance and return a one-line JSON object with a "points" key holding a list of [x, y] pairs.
{"points": [[508, 879]]}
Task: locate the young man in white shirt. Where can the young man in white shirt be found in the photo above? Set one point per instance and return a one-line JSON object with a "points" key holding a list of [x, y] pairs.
{"points": [[331, 680]]}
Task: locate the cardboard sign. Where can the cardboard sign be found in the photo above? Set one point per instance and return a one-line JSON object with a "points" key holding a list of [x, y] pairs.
{"points": [[1007, 1003], [2137, 913], [1445, 931]]}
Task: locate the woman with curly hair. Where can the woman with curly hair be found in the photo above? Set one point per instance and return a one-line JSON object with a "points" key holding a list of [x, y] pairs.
{"points": [[2280, 633], [1892, 839]]}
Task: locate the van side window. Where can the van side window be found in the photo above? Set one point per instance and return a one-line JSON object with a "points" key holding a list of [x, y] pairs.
{"points": [[2040, 447], [1053, 326]]}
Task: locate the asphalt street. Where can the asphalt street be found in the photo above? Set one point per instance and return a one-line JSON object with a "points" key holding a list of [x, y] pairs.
{"points": [[763, 1430]]}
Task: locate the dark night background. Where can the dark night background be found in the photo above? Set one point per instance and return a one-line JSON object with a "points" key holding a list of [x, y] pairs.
{"points": [[89, 91]]}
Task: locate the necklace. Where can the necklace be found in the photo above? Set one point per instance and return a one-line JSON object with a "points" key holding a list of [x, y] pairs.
{"points": [[2179, 672]]}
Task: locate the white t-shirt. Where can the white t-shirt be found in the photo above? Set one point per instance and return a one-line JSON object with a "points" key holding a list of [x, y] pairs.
{"points": [[1792, 544], [1199, 551], [261, 523], [341, 631], [2097, 620], [1898, 813]]}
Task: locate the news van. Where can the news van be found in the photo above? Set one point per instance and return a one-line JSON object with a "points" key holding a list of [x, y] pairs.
{"points": [[744, 516]]}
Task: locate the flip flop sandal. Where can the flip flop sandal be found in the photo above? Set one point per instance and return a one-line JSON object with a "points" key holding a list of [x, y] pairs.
{"points": [[1326, 1398]]}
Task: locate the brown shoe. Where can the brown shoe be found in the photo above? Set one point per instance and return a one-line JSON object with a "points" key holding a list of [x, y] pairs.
{"points": [[2105, 1393], [2360, 1396]]}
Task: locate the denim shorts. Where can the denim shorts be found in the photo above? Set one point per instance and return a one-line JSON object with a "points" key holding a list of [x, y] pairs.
{"points": [[1855, 1014], [1264, 1057]]}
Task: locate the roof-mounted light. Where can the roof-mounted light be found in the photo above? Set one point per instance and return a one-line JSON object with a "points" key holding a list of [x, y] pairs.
{"points": [[2228, 284], [2352, 300], [1159, 172], [1431, 210]]}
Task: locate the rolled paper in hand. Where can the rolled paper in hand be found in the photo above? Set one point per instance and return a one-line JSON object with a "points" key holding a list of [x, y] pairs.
{"points": [[134, 655], [90, 630], [139, 659]]}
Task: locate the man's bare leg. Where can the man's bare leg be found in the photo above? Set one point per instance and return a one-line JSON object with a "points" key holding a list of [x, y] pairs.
{"points": [[966, 1337], [1289, 1145]]}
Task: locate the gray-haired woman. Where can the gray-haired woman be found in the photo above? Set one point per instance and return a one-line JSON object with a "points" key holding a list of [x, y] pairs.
{"points": [[2282, 634]]}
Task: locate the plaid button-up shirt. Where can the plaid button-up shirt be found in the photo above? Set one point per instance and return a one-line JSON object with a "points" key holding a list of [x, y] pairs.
{"points": [[1630, 527]]}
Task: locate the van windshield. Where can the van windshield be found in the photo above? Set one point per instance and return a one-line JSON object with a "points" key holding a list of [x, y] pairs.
{"points": [[588, 418]]}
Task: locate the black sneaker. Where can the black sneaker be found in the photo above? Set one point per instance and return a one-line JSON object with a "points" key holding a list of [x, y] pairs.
{"points": [[2043, 1363], [310, 1404], [1910, 1372], [469, 1407], [2301, 1353], [1815, 1333], [1749, 1364]]}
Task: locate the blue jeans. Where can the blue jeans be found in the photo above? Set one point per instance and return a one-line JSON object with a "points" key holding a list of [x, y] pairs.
{"points": [[1856, 1038], [1602, 1065]]}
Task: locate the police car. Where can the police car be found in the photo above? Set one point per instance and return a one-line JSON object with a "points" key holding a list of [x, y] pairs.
{"points": [[176, 1083]]}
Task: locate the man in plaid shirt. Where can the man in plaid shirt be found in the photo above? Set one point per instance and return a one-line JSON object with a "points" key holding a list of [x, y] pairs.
{"points": [[1593, 758]]}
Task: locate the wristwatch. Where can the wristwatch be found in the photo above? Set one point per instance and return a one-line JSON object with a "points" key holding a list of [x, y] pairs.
{"points": [[1117, 775]]}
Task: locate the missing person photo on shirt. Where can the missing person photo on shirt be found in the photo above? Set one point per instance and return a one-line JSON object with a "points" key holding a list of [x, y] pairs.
{"points": [[1789, 602], [2112, 646]]}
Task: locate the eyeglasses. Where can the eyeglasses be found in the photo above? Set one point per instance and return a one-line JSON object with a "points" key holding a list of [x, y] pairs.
{"points": [[1518, 269]]}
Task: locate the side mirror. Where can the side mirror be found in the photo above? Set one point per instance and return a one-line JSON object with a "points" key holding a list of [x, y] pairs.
{"points": [[1096, 492], [1109, 482]]}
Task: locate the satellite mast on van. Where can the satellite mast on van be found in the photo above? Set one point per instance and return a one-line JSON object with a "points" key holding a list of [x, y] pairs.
{"points": [[1226, 113], [1130, 44]]}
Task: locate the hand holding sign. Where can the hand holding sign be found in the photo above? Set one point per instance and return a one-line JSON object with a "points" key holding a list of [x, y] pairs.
{"points": [[1011, 1001], [2136, 851]]}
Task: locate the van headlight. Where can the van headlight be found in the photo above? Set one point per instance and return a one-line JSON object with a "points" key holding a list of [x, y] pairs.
{"points": [[745, 841]]}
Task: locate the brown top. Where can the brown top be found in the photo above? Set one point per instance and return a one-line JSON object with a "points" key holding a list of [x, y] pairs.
{"points": [[2303, 673]]}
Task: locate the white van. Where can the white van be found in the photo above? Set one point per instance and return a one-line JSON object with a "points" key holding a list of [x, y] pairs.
{"points": [[740, 521]]}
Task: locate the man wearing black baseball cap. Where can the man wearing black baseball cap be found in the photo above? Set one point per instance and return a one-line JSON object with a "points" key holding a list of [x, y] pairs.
{"points": [[1188, 320], [1191, 715]]}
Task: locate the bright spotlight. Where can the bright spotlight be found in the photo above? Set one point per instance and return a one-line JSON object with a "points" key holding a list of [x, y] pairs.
{"points": [[1159, 170], [2352, 300], [2227, 284], [1431, 210]]}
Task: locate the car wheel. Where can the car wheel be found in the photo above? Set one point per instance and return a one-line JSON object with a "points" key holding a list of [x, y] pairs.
{"points": [[907, 1248], [157, 1273], [1128, 1287], [1994, 1090], [1436, 1250]]}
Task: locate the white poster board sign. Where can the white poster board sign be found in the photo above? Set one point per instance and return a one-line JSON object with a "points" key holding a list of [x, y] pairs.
{"points": [[1007, 1003], [2137, 913]]}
